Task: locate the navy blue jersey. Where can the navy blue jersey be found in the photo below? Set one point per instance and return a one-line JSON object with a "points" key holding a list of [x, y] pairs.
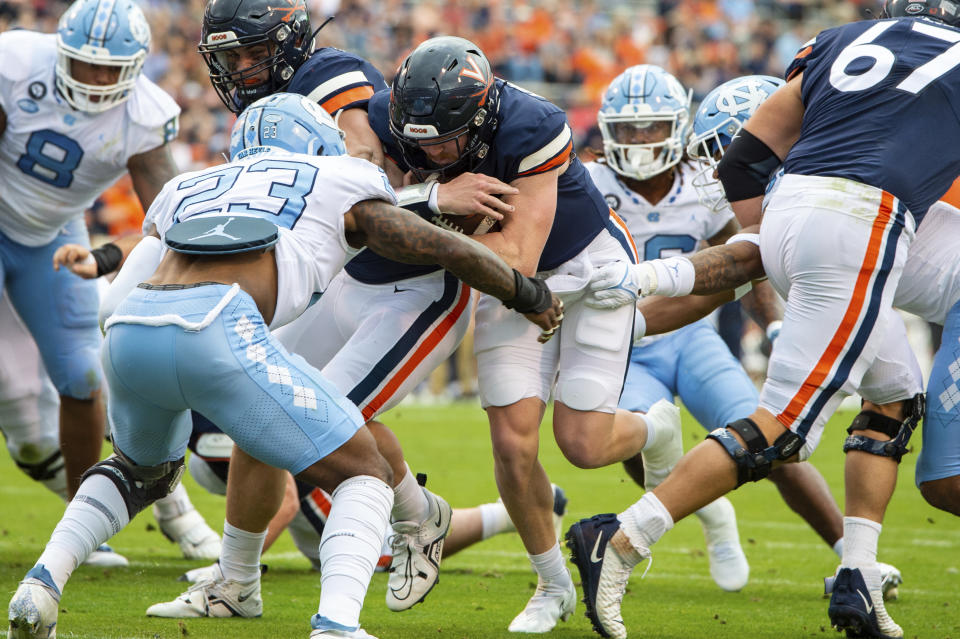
{"points": [[882, 100], [532, 137], [337, 80]]}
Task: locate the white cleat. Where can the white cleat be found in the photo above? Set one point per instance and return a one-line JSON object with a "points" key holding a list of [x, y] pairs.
{"points": [[323, 628], [34, 607], [191, 532], [225, 598], [728, 565], [544, 610], [659, 459], [417, 548], [105, 557]]}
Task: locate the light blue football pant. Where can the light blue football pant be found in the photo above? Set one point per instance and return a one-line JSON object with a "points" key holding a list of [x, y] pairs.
{"points": [[273, 405], [694, 363], [940, 452], [58, 308]]}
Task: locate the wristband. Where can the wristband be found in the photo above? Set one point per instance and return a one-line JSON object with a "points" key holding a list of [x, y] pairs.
{"points": [[107, 257], [773, 329], [742, 290], [753, 238], [639, 327], [532, 295], [675, 276], [420, 198]]}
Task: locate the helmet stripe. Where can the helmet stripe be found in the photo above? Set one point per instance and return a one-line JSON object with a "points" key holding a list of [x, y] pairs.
{"points": [[101, 22]]}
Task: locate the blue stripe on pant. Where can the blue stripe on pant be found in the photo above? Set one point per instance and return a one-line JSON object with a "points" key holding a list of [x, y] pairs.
{"points": [[273, 405]]}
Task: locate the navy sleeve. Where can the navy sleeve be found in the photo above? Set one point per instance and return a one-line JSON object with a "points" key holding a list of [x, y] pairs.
{"points": [[337, 80]]}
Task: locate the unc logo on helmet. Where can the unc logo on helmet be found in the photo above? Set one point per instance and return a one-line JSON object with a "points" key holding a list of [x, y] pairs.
{"points": [[720, 117], [286, 121], [112, 33], [644, 122], [444, 90]]}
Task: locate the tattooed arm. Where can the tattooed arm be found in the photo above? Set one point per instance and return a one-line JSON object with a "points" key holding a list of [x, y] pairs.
{"points": [[403, 236], [720, 268]]}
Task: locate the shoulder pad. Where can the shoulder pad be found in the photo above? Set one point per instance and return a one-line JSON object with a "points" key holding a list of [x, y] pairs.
{"points": [[533, 135], [22, 50], [150, 106]]}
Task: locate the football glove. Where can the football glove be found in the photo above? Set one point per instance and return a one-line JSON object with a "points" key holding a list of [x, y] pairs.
{"points": [[620, 283]]}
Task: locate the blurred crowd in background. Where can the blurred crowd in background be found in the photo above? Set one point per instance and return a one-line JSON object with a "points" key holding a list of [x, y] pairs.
{"points": [[566, 50]]}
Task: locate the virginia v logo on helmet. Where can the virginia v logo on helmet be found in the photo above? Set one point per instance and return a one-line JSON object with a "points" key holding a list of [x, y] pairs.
{"points": [[444, 92]]}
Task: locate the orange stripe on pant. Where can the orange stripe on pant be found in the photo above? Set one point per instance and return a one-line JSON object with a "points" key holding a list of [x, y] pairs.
{"points": [[850, 317], [426, 346], [320, 499]]}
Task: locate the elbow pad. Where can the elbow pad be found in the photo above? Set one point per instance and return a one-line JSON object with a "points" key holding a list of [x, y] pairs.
{"points": [[746, 167], [140, 265]]}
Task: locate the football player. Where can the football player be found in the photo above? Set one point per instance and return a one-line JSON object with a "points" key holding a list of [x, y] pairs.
{"points": [[393, 326], [835, 233], [64, 138], [446, 114], [289, 197]]}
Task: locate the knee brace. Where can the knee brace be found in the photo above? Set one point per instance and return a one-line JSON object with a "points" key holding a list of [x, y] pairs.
{"points": [[754, 461], [139, 485], [898, 432]]}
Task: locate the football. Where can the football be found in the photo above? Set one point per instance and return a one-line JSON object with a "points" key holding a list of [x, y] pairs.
{"points": [[476, 224]]}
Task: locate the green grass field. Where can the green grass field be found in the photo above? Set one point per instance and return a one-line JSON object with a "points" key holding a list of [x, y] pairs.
{"points": [[482, 588]]}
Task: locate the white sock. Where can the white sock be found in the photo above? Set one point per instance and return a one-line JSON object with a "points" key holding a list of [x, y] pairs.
{"points": [[173, 505], [838, 548], [551, 569], [495, 519], [95, 514], [645, 522], [719, 521], [409, 501], [350, 546], [240, 553], [861, 537]]}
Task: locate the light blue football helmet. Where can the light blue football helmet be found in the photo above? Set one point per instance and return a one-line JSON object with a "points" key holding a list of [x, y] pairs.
{"points": [[287, 121], [112, 33], [633, 108], [720, 117]]}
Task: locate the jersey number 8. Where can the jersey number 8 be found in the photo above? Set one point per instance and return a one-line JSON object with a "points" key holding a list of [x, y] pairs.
{"points": [[884, 58], [51, 157]]}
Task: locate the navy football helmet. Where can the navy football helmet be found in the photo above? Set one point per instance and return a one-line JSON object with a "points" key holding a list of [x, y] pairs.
{"points": [[287, 121], [443, 90], [112, 33], [282, 26], [943, 10]]}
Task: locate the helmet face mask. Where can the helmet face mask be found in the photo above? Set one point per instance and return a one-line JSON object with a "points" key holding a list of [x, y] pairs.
{"points": [[276, 41], [104, 34], [444, 94], [644, 122], [287, 121], [720, 117]]}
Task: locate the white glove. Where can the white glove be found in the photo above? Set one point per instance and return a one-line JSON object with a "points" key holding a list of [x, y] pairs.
{"points": [[620, 283]]}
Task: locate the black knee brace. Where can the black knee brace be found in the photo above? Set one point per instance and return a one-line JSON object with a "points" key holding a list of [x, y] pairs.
{"points": [[754, 461], [898, 432], [139, 485], [43, 470]]}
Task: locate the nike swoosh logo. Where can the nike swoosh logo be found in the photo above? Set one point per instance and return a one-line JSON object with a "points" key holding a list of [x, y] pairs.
{"points": [[439, 514], [594, 558], [396, 289], [866, 601], [242, 598]]}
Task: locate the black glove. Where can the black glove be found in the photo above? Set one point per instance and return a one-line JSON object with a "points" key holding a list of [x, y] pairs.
{"points": [[532, 295]]}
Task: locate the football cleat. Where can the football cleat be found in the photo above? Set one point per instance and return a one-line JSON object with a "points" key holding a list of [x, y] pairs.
{"points": [[34, 607], [728, 564], [105, 557], [210, 573], [855, 609], [416, 550], [890, 580], [190, 531], [544, 610], [324, 628], [223, 598], [605, 558], [659, 459]]}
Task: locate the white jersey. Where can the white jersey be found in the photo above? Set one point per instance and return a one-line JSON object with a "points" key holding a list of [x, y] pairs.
{"points": [[674, 226], [306, 196], [54, 160], [930, 284]]}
